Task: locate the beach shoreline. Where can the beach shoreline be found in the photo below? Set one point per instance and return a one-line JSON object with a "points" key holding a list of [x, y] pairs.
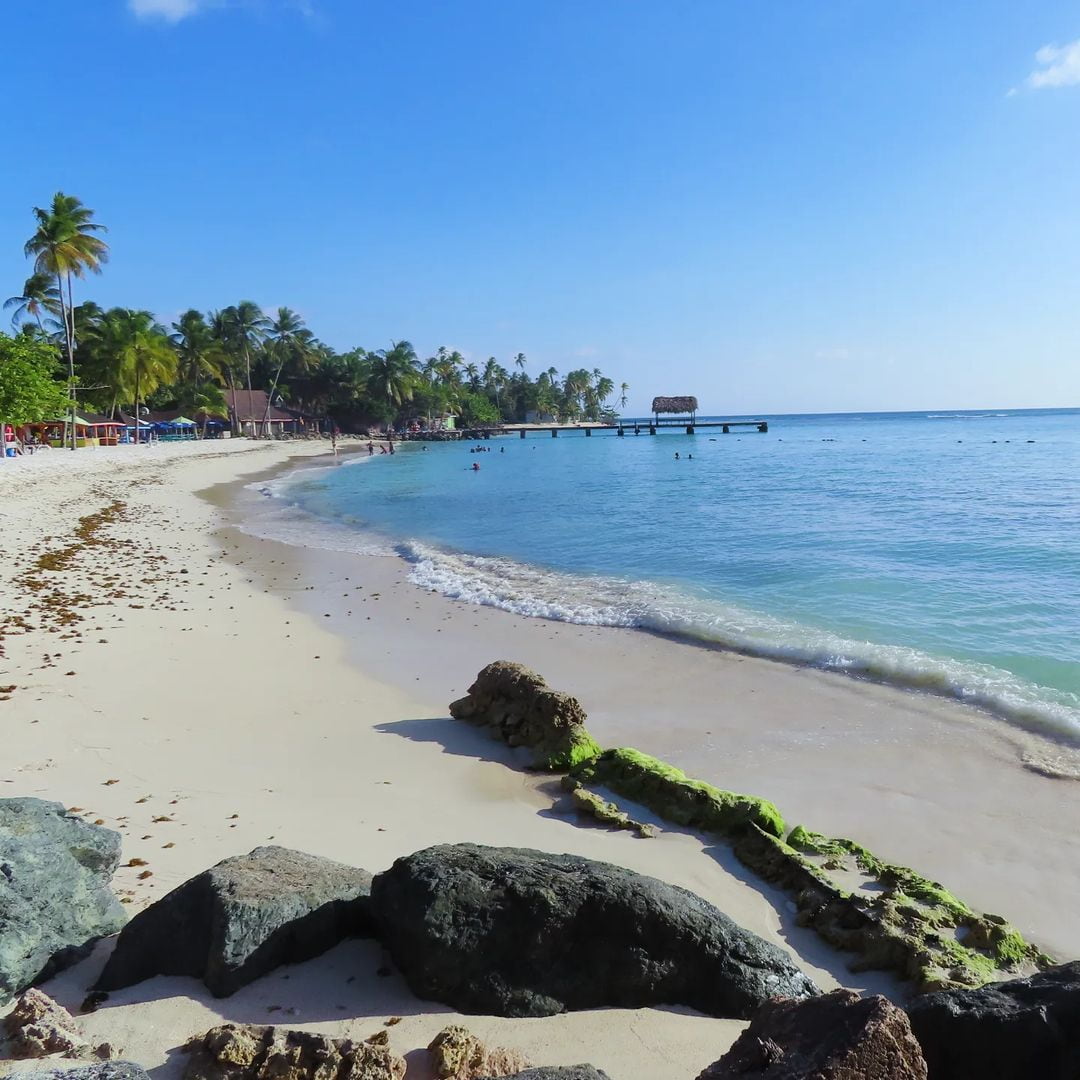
{"points": [[234, 680]]}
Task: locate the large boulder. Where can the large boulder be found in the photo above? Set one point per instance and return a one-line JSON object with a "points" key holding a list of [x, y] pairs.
{"points": [[519, 707], [55, 900], [106, 1070], [1015, 1030], [251, 1052], [511, 932], [838, 1036], [241, 919]]}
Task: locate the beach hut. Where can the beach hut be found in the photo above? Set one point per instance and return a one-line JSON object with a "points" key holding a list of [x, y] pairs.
{"points": [[683, 407]]}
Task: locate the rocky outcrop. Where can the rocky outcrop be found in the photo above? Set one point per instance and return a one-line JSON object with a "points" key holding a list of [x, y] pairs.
{"points": [[903, 922], [838, 1036], [251, 1052], [105, 1070], [37, 1026], [556, 1072], [241, 919], [519, 707], [669, 792], [55, 899], [1015, 1030], [513, 932], [457, 1054]]}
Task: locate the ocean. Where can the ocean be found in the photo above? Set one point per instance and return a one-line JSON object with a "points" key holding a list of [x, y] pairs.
{"points": [[939, 551]]}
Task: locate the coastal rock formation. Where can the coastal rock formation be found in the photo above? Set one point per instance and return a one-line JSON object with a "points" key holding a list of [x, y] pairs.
{"points": [[838, 1036], [512, 932], [55, 900], [252, 1052], [105, 1070], [669, 792], [457, 1054], [522, 710], [1014, 1030], [607, 813], [905, 923], [37, 1026], [556, 1072], [241, 919]]}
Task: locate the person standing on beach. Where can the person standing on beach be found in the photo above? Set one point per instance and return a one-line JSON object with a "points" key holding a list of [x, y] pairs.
{"points": [[370, 448]]}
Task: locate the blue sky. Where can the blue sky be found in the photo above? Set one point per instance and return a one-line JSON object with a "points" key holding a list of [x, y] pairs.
{"points": [[778, 206]]}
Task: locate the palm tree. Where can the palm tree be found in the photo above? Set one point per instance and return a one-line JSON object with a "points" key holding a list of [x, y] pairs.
{"points": [[519, 361], [247, 326], [288, 337], [472, 373], [147, 359], [39, 296], [392, 374], [623, 388], [64, 246], [199, 353]]}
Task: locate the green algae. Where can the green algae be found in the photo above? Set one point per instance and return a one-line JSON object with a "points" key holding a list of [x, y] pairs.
{"points": [[577, 748], [670, 793], [594, 804]]}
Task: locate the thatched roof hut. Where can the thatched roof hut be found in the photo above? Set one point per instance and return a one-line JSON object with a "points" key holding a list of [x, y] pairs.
{"points": [[681, 406]]}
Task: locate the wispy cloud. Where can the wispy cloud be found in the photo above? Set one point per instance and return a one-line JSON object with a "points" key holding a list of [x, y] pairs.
{"points": [[173, 11], [167, 10], [1056, 65]]}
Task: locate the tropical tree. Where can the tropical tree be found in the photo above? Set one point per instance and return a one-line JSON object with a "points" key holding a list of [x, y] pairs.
{"points": [[392, 375], [29, 390], [199, 354], [65, 246], [624, 389], [40, 297], [245, 330], [289, 339], [519, 361], [146, 358]]}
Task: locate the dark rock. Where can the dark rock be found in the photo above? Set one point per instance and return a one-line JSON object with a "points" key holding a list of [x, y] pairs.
{"points": [[838, 1036], [241, 919], [556, 1072], [55, 900], [522, 710], [1015, 1030], [512, 932], [251, 1052], [106, 1070]]}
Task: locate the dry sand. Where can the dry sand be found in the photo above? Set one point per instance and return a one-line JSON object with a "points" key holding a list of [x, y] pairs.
{"points": [[219, 695]]}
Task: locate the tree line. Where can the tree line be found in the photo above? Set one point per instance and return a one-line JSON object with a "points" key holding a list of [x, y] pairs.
{"points": [[65, 355]]}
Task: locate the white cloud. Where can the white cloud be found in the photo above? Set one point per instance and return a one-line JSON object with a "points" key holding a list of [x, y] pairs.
{"points": [[173, 11], [1058, 65], [170, 10]]}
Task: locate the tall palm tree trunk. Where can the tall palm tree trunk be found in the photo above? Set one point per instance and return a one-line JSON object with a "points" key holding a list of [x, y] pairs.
{"points": [[70, 347]]}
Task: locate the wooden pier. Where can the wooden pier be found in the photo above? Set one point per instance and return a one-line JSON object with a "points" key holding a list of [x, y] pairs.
{"points": [[619, 427]]}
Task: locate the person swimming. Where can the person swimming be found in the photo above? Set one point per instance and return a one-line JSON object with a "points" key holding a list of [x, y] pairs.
{"points": [[476, 466]]}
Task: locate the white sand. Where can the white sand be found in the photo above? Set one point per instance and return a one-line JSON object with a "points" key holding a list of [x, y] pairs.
{"points": [[243, 719]]}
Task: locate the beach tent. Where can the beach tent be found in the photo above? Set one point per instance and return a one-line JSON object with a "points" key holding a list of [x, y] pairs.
{"points": [[179, 427]]}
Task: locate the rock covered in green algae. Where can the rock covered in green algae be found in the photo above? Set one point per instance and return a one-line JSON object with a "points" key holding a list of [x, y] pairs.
{"points": [[607, 813], [514, 932], [670, 793], [519, 707], [909, 925]]}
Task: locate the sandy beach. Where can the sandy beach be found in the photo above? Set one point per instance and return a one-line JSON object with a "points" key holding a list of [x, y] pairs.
{"points": [[220, 690]]}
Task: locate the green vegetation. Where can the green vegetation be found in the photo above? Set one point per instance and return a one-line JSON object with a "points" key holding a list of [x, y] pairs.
{"points": [[117, 358], [577, 749], [607, 813], [29, 389], [670, 793]]}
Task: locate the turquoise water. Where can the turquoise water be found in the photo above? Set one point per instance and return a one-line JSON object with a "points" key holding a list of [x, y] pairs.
{"points": [[938, 551]]}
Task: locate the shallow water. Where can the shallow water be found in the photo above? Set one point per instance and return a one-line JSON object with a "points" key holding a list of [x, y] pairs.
{"points": [[935, 550]]}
